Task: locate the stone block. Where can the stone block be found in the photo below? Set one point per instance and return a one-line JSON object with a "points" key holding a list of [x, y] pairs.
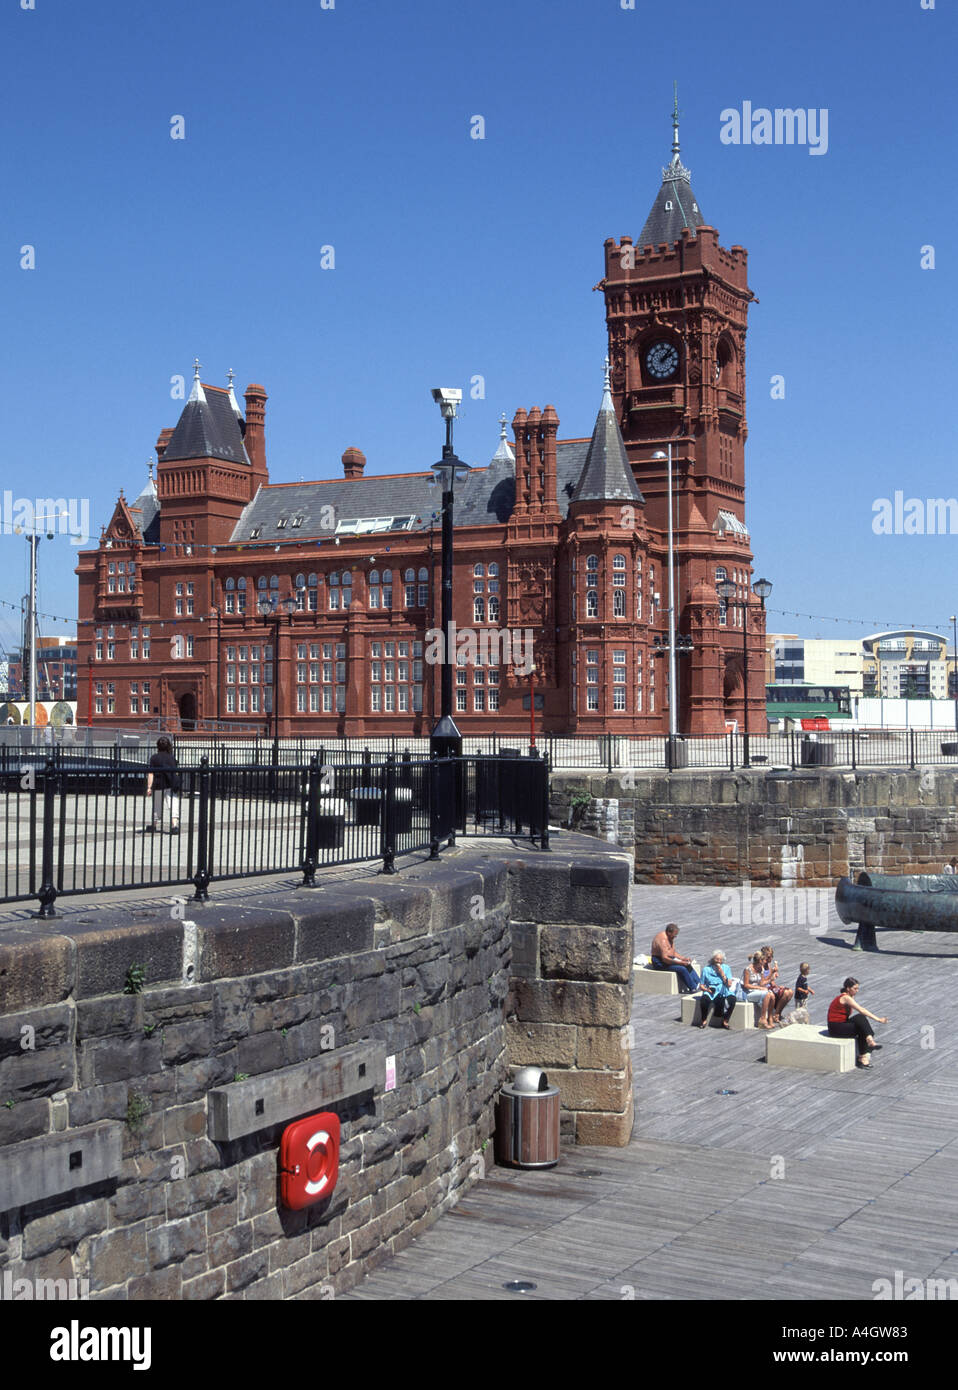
{"points": [[570, 1001], [110, 1015], [206, 1286], [184, 1123], [107, 945], [598, 1048], [646, 980], [241, 941], [163, 1283], [172, 1242], [589, 890], [26, 1119], [186, 1042], [59, 1163], [108, 1060], [407, 906], [809, 1047], [117, 1256], [200, 1193], [63, 1228], [247, 1270], [37, 968], [594, 1090], [334, 923], [743, 1018], [613, 1130], [586, 952], [542, 1044], [226, 1247]]}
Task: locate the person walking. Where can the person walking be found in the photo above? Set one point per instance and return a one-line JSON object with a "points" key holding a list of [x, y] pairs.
{"points": [[163, 785]]}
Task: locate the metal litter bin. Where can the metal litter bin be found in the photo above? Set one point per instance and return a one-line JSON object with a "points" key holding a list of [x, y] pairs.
{"points": [[527, 1121]]}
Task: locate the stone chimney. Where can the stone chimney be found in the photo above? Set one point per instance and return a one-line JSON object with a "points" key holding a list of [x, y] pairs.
{"points": [[164, 439], [354, 461]]}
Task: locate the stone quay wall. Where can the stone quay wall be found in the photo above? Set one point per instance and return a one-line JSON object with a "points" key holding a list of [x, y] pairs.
{"points": [[780, 829], [139, 1132]]}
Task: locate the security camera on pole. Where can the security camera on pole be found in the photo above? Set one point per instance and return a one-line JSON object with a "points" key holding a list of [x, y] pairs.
{"points": [[445, 739]]}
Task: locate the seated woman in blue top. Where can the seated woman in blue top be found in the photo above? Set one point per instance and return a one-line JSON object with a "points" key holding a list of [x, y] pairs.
{"points": [[719, 990]]}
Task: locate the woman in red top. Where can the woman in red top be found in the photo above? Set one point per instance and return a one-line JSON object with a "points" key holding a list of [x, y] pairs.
{"points": [[846, 1019]]}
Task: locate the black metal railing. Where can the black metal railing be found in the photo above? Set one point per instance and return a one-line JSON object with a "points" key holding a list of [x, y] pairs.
{"points": [[77, 826]]}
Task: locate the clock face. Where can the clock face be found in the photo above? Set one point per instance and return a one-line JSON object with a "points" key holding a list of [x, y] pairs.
{"points": [[661, 360]]}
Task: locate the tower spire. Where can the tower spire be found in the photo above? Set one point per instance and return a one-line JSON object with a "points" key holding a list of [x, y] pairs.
{"points": [[676, 169], [197, 393]]}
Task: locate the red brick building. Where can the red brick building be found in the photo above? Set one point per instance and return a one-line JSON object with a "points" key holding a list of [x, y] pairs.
{"points": [[561, 542]]}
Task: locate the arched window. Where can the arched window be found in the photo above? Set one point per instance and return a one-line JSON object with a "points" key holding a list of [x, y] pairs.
{"points": [[230, 587], [241, 594], [274, 581], [618, 603], [261, 583], [479, 610], [387, 576], [493, 609], [374, 576], [422, 598], [313, 594], [618, 562], [478, 571], [347, 588], [493, 570], [409, 588], [300, 592], [592, 563], [591, 604], [721, 574]]}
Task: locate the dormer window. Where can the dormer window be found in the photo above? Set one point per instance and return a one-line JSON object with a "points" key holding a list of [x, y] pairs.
{"points": [[296, 522], [281, 524], [254, 534], [668, 206]]}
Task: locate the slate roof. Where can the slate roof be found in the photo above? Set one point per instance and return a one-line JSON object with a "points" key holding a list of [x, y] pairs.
{"points": [[485, 497], [607, 474], [208, 428], [146, 512], [665, 223]]}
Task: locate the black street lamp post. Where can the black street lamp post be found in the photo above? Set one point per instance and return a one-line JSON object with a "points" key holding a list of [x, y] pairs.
{"points": [[271, 609], [445, 738], [726, 589], [954, 662]]}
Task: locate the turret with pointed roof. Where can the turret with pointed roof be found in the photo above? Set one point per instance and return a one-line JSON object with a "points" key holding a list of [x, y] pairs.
{"points": [[675, 207], [607, 475]]}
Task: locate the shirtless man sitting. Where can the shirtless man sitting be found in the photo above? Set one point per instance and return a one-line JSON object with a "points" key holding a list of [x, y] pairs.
{"points": [[664, 957]]}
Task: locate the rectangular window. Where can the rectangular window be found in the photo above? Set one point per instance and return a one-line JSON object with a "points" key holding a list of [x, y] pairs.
{"points": [[376, 698], [423, 595], [618, 699], [301, 701], [301, 672], [134, 705], [231, 675], [417, 699], [341, 651], [314, 672], [461, 701], [327, 700], [375, 650], [314, 651], [592, 699], [231, 702], [99, 651], [244, 701], [340, 699], [403, 698], [243, 671], [254, 701], [134, 650], [301, 651], [462, 677], [314, 701], [403, 649], [328, 671], [340, 672], [410, 595], [390, 698], [377, 671], [479, 699]]}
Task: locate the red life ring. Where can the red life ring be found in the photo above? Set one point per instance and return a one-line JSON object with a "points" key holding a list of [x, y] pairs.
{"points": [[309, 1160]]}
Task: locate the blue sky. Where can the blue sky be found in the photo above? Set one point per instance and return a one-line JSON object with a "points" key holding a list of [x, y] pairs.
{"points": [[454, 257]]}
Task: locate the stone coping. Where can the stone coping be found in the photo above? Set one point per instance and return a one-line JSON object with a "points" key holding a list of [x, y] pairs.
{"points": [[88, 950]]}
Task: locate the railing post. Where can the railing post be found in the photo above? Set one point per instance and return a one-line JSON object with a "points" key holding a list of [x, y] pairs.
{"points": [[201, 878], [312, 826], [854, 762], [791, 737], [433, 774], [388, 804], [48, 888], [911, 744], [731, 751]]}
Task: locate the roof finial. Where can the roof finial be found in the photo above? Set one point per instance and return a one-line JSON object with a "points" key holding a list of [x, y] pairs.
{"points": [[149, 468], [503, 453], [675, 122], [502, 425], [232, 395], [676, 169], [197, 393], [606, 388]]}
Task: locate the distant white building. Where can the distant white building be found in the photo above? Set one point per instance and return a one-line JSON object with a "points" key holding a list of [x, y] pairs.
{"points": [[906, 664]]}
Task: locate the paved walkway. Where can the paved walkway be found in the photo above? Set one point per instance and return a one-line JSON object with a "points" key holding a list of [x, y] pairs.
{"points": [[741, 1181]]}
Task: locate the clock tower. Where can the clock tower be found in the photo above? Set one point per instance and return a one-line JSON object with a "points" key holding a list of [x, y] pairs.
{"points": [[677, 315]]}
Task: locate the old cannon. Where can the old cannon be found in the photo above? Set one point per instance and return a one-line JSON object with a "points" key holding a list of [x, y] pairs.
{"points": [[907, 902]]}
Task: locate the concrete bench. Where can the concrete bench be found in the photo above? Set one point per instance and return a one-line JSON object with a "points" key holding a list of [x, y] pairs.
{"points": [[809, 1046], [742, 1020], [649, 981]]}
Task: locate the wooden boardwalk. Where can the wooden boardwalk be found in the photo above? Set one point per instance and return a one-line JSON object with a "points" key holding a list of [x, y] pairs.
{"points": [[867, 1162]]}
